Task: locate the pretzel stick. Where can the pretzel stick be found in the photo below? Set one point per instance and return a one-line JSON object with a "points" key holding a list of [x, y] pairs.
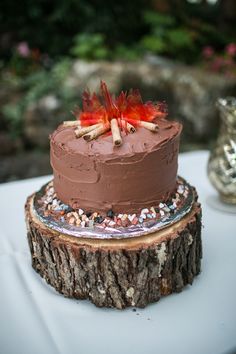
{"points": [[127, 126], [97, 132], [82, 131], [71, 123], [148, 125], [117, 140], [131, 129]]}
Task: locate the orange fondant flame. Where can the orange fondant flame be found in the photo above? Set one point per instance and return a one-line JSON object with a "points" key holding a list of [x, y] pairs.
{"points": [[127, 107]]}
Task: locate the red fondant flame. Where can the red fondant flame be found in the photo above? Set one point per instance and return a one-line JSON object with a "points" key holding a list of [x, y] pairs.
{"points": [[127, 107]]}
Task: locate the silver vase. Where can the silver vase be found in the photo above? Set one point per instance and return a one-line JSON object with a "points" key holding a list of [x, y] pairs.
{"points": [[222, 161]]}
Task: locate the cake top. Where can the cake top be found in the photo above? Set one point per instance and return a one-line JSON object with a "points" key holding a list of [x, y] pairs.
{"points": [[116, 116], [141, 142]]}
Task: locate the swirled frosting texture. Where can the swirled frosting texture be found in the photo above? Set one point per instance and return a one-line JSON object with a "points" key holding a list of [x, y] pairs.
{"points": [[96, 176]]}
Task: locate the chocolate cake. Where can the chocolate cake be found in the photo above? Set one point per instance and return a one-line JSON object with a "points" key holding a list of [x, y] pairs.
{"points": [[116, 225], [95, 176]]}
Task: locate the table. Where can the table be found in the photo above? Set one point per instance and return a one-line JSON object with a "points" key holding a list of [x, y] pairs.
{"points": [[200, 320]]}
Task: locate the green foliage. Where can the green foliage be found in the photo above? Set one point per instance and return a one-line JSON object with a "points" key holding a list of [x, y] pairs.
{"points": [[35, 86], [52, 25], [156, 19], [180, 38], [154, 44], [96, 30], [167, 36], [18, 65], [43, 82], [90, 46], [13, 114], [125, 53]]}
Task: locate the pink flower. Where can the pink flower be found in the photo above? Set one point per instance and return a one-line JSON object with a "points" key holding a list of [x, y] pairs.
{"points": [[231, 49], [207, 52], [23, 49]]}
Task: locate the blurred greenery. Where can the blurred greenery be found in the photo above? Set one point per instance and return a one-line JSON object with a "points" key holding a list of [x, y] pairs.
{"points": [[52, 26], [90, 46], [109, 30], [40, 39], [35, 86], [167, 37], [13, 115]]}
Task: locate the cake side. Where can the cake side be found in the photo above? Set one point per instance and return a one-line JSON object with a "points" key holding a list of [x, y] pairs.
{"points": [[96, 176]]}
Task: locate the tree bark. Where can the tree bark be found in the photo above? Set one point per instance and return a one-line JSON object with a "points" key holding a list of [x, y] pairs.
{"points": [[118, 273]]}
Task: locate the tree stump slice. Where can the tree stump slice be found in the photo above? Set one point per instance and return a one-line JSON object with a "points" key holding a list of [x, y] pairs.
{"points": [[117, 272]]}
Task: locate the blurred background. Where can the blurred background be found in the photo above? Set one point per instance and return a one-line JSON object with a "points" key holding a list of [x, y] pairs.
{"points": [[183, 52]]}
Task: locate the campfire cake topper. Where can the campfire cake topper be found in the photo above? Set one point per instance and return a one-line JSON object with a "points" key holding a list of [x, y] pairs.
{"points": [[126, 113]]}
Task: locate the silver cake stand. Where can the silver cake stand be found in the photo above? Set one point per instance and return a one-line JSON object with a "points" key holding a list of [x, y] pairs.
{"points": [[99, 232]]}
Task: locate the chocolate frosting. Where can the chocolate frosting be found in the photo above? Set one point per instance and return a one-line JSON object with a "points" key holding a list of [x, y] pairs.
{"points": [[95, 176]]}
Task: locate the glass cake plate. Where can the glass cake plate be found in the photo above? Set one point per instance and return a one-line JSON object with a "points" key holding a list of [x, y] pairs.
{"points": [[170, 214]]}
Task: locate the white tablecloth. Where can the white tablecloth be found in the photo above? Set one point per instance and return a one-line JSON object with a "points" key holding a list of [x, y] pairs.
{"points": [[200, 320]]}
